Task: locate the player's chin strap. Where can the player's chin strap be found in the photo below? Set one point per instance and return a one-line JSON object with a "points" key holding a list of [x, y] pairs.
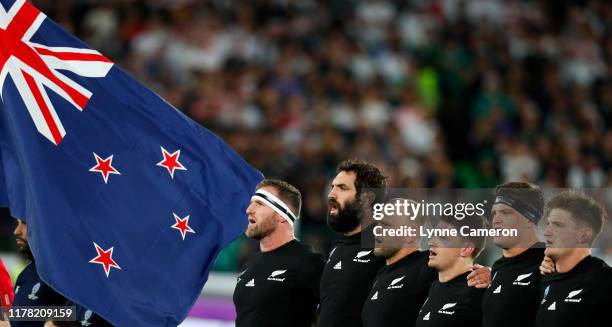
{"points": [[276, 204]]}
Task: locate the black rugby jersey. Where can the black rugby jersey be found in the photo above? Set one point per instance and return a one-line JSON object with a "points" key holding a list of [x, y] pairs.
{"points": [[451, 304], [515, 284], [398, 292], [579, 297], [347, 279], [279, 287]]}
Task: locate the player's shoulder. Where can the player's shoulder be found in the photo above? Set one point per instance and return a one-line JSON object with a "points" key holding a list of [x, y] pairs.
{"points": [[598, 268], [306, 252], [605, 272], [597, 273], [420, 262], [28, 273]]}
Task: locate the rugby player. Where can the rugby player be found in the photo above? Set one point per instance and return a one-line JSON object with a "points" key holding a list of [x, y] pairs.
{"points": [[280, 285], [579, 293], [401, 286], [350, 269], [516, 280], [450, 301]]}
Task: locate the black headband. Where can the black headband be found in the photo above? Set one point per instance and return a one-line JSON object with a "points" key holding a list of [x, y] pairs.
{"points": [[521, 206]]}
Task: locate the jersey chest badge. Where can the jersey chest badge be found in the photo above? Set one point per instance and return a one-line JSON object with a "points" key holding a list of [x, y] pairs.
{"points": [[360, 257], [277, 275], [32, 296]]}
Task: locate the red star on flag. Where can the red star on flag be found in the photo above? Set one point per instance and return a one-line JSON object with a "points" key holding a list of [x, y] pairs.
{"points": [[105, 258], [171, 161], [182, 225], [104, 167]]}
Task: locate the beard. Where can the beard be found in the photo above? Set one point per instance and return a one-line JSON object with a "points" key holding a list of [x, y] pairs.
{"points": [[346, 219], [24, 250], [261, 229]]}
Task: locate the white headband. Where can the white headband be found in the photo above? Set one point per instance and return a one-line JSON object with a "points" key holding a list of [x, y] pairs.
{"points": [[276, 204]]}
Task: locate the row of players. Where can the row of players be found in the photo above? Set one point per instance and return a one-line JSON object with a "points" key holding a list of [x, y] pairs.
{"points": [[532, 284]]}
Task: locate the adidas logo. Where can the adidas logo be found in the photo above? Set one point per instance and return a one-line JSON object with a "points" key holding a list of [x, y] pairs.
{"points": [[426, 317], [552, 306], [497, 290], [570, 296], [375, 296], [338, 266], [445, 308], [519, 279], [274, 274], [394, 282], [362, 254], [251, 283]]}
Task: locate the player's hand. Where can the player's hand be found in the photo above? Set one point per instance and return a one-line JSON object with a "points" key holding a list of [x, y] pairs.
{"points": [[547, 266], [480, 277]]}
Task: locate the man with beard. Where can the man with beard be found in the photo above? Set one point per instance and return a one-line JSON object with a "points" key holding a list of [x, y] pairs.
{"points": [[30, 290], [280, 285], [516, 281], [350, 269], [450, 301], [401, 286], [579, 293]]}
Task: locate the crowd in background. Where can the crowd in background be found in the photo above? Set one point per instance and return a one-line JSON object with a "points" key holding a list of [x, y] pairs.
{"points": [[439, 94]]}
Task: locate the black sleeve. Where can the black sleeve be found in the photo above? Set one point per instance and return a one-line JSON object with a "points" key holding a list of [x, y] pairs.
{"points": [[315, 281]]}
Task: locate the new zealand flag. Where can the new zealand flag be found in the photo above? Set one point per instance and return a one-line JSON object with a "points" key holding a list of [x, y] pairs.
{"points": [[127, 201]]}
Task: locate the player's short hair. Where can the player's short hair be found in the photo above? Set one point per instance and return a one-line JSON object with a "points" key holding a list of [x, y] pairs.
{"points": [[419, 220], [368, 176], [286, 192], [584, 209], [472, 222]]}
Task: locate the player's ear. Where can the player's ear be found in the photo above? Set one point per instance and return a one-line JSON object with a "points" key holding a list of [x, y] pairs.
{"points": [[530, 225], [585, 235], [467, 250], [367, 198], [280, 219]]}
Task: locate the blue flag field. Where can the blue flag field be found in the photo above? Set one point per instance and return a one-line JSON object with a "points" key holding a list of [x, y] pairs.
{"points": [[127, 200]]}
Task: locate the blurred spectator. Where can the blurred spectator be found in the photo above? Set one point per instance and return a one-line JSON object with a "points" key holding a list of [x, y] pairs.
{"points": [[442, 93]]}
